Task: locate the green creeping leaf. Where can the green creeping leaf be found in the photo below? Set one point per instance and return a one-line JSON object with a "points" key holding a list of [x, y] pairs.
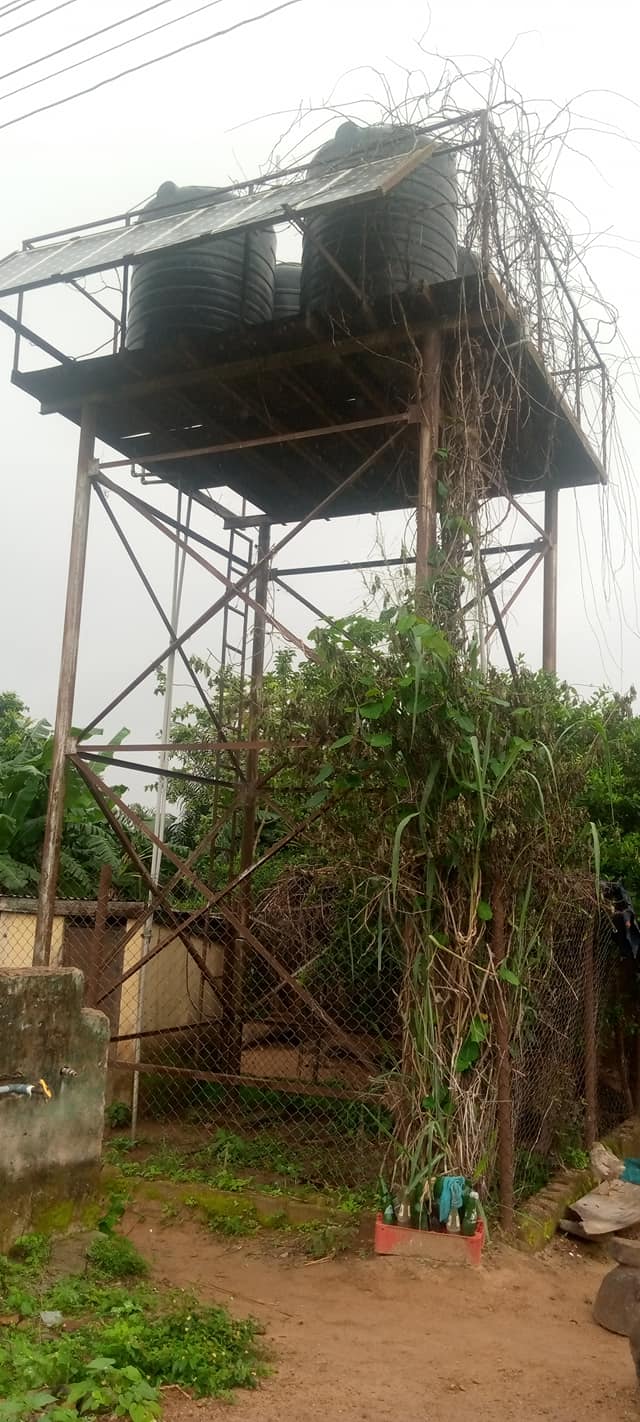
{"points": [[395, 856], [508, 976], [479, 1030], [324, 773], [343, 741], [373, 710], [406, 620], [470, 1049], [479, 785], [314, 801], [485, 911], [541, 798], [381, 739], [468, 1055]]}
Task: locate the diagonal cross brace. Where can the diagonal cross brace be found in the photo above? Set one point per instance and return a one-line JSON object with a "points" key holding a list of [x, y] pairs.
{"points": [[214, 900]]}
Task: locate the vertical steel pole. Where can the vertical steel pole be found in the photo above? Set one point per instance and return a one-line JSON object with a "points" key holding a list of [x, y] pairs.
{"points": [[550, 586], [233, 989], [92, 985], [66, 690], [503, 1074], [426, 508], [589, 1010], [160, 813]]}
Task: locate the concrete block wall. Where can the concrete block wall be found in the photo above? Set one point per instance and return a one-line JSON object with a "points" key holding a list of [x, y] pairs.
{"points": [[49, 1149]]}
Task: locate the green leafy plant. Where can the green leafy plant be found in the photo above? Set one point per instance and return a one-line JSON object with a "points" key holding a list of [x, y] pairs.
{"points": [[118, 1115], [127, 1344], [113, 1256]]}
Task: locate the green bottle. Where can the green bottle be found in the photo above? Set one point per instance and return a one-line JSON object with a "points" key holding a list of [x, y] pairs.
{"points": [[471, 1214], [388, 1208]]}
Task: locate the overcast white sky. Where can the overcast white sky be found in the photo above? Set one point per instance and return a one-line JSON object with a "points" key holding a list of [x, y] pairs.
{"points": [[186, 120]]}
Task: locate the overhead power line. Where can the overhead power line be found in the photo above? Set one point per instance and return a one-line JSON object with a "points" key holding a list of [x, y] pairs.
{"points": [[146, 63], [84, 39], [12, 5], [121, 44], [62, 5]]}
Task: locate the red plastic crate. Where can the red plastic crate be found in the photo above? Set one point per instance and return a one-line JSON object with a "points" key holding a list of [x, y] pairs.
{"points": [[429, 1244]]}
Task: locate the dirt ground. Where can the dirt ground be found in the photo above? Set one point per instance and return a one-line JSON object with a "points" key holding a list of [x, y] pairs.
{"points": [[386, 1340]]}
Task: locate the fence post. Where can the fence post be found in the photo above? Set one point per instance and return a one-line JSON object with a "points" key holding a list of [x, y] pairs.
{"points": [[501, 1029], [92, 985], [589, 1028]]}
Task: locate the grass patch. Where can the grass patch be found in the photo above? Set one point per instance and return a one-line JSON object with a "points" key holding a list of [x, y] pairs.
{"points": [[127, 1342], [115, 1257], [232, 1223], [319, 1241], [234, 1163]]}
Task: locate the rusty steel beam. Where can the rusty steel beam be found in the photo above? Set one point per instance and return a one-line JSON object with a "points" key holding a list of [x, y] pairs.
{"points": [[259, 441], [332, 262], [82, 747], [215, 900], [515, 595], [161, 771], [311, 607], [204, 563], [66, 691], [228, 596], [28, 335], [267, 1083], [426, 510], [534, 548], [207, 839], [99, 930], [550, 587], [146, 583], [97, 788], [502, 631], [234, 977]]}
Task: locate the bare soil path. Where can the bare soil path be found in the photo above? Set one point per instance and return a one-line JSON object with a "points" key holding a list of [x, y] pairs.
{"points": [[385, 1340]]}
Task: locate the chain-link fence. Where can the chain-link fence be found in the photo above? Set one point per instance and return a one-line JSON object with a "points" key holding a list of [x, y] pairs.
{"points": [[562, 1035], [287, 1094]]}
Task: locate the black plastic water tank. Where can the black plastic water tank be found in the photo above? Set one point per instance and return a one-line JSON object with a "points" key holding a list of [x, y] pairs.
{"points": [[398, 244], [207, 287], [286, 299]]}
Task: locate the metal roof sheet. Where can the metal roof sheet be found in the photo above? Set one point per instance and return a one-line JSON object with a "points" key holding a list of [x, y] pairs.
{"points": [[110, 247]]}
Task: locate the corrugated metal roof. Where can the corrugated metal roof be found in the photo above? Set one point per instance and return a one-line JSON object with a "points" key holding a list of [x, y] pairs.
{"points": [[110, 247]]}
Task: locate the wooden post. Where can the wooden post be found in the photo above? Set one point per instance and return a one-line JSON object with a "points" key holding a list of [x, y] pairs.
{"points": [[428, 430], [589, 1033], [233, 989], [92, 985], [501, 1029], [550, 590], [66, 691]]}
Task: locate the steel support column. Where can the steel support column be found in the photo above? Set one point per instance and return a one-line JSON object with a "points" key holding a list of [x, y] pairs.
{"points": [[426, 508], [66, 690], [550, 590], [235, 956]]}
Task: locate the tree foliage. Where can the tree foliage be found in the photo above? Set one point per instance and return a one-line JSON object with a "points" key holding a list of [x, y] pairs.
{"points": [[440, 787], [26, 748]]}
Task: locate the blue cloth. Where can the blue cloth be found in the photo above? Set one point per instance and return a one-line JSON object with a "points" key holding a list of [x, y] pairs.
{"points": [[631, 1171], [452, 1197]]}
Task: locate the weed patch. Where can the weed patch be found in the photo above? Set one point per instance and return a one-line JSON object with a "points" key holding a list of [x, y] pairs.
{"points": [[127, 1342]]}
